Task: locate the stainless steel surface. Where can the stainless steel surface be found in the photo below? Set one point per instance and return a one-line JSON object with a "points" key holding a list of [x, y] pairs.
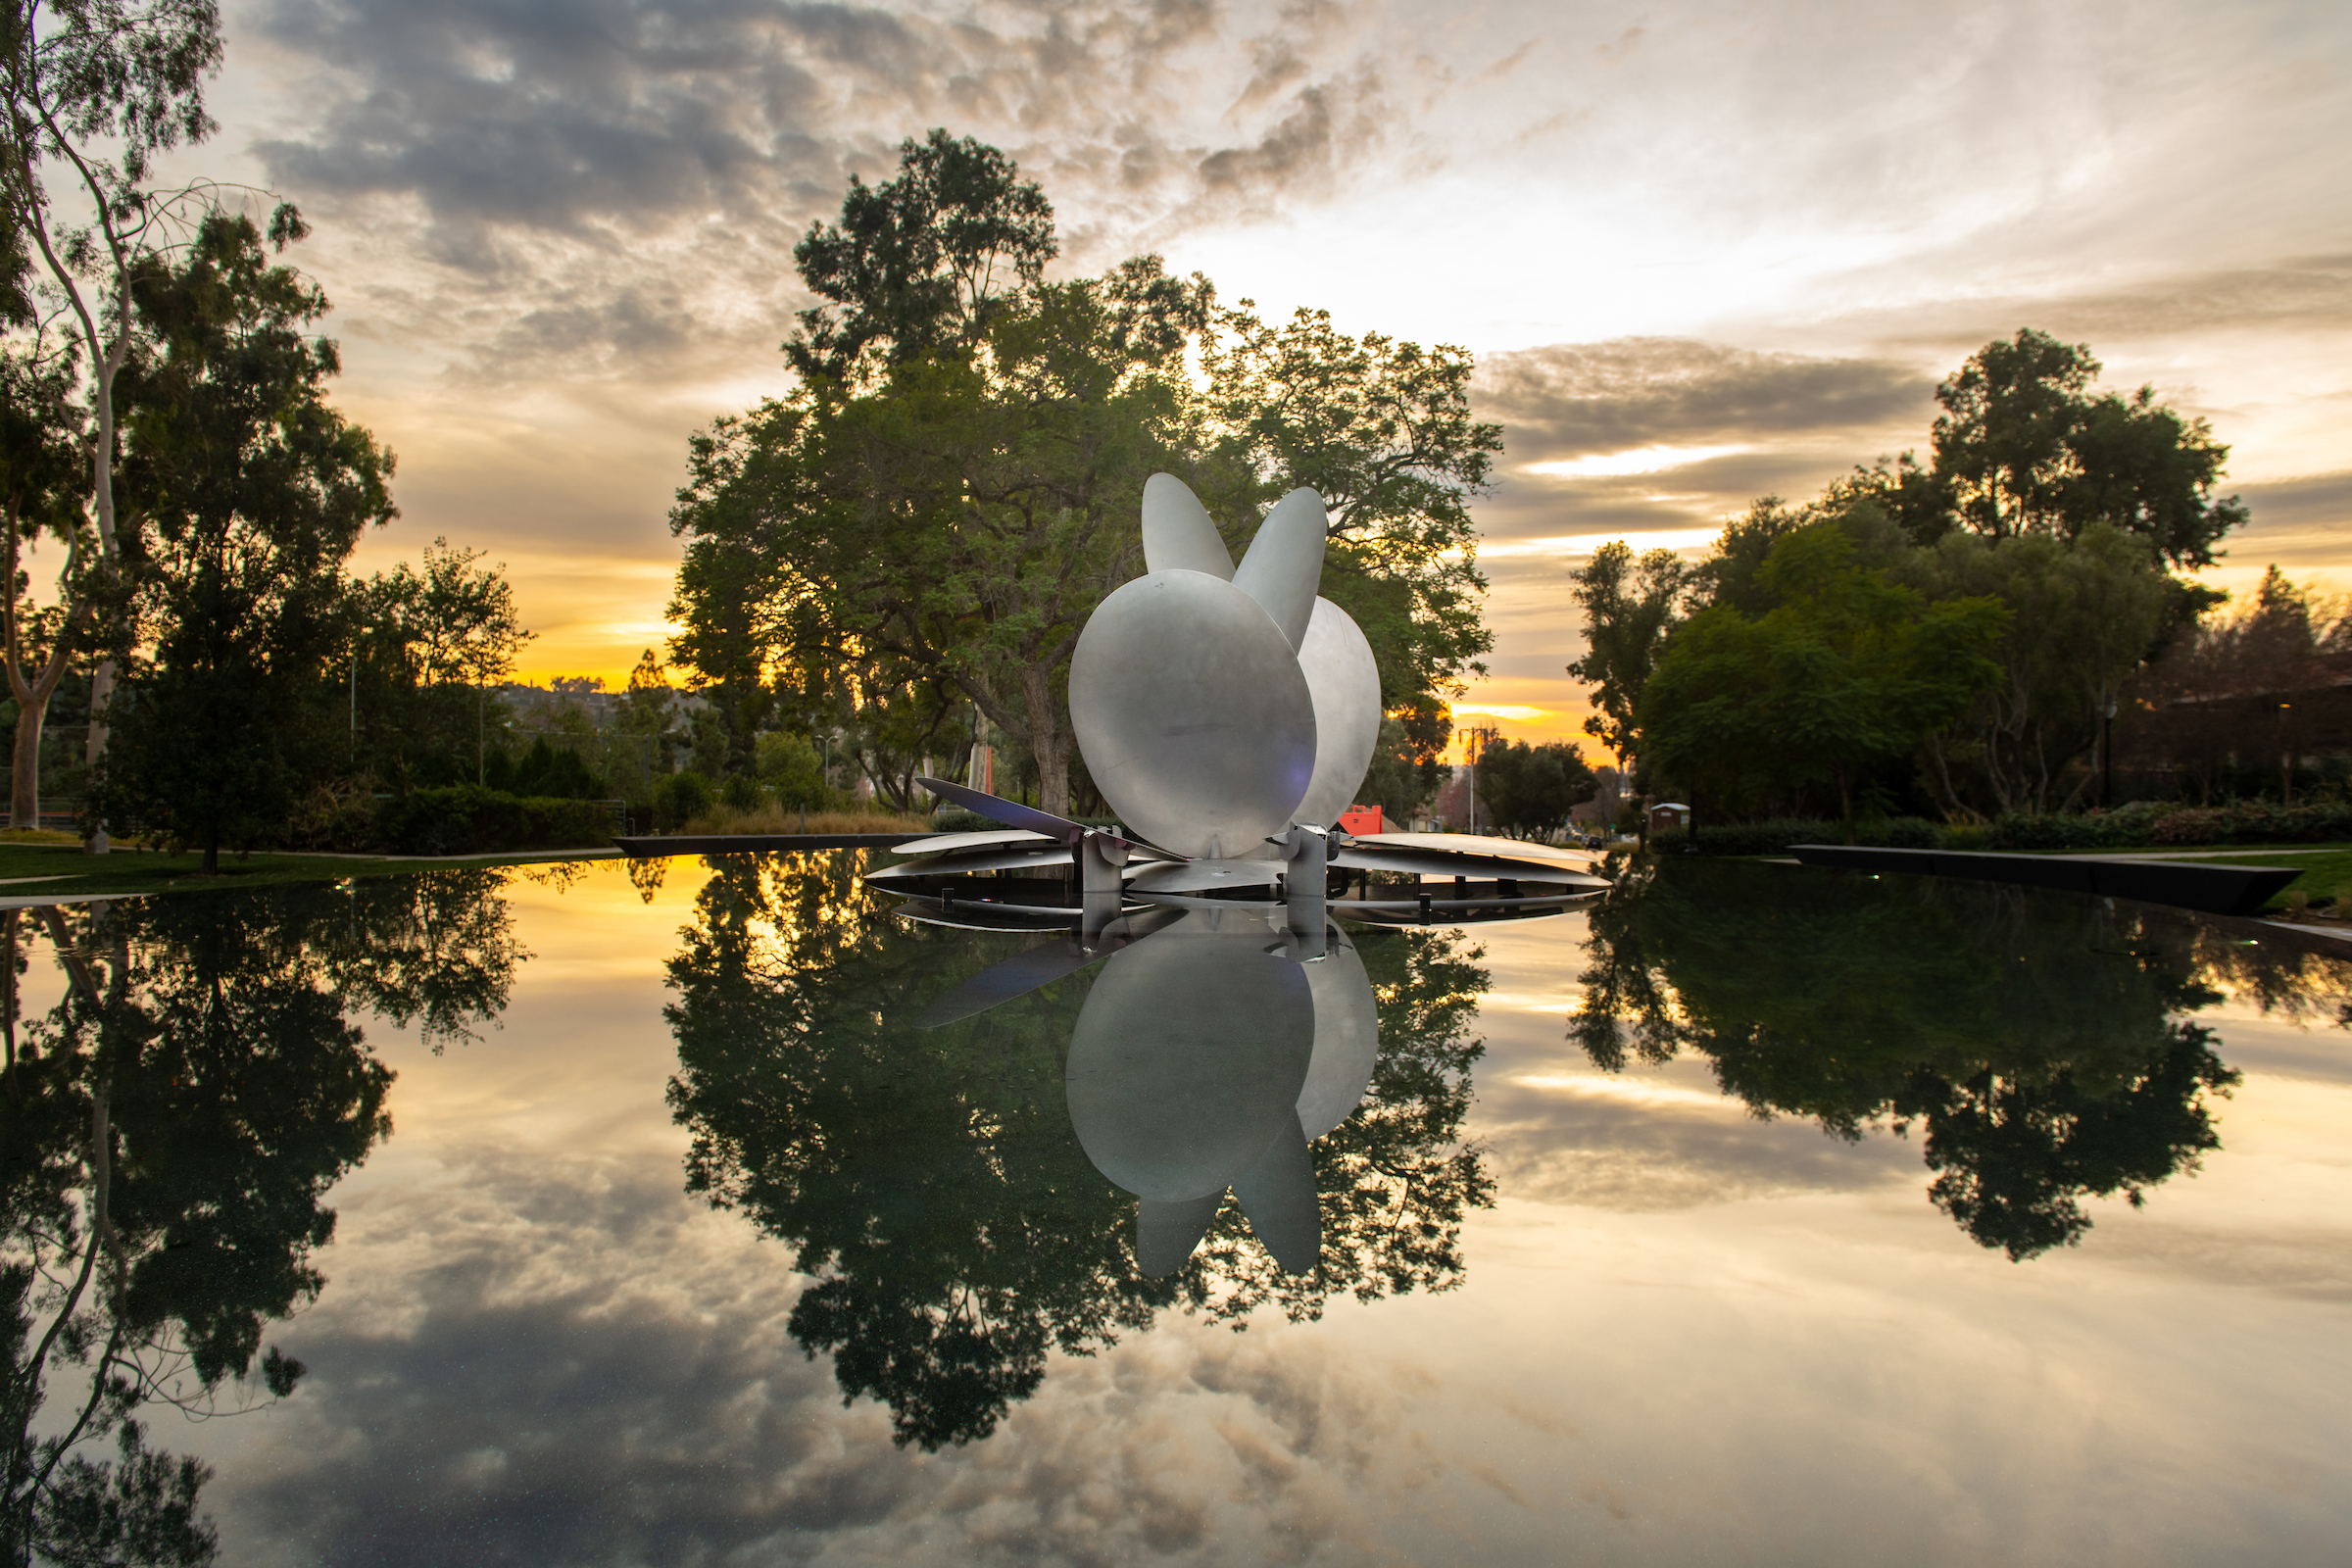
{"points": [[1188, 1058], [1178, 533], [943, 842], [1344, 680], [1476, 844], [1192, 714], [1371, 855], [1347, 1037], [1203, 876], [1284, 564], [1278, 1195], [1046, 859]]}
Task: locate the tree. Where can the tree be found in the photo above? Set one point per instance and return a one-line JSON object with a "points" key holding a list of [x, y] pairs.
{"points": [[1630, 606], [954, 483], [1848, 670], [451, 630], [1528, 790], [1382, 431], [960, 521], [918, 264], [99, 87], [2025, 448], [253, 492], [2081, 616]]}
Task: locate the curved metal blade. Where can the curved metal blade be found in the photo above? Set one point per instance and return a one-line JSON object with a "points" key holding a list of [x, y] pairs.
{"points": [[1013, 813], [1040, 966]]}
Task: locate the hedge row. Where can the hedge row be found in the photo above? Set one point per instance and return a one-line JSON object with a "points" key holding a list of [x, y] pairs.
{"points": [[469, 820], [2133, 828]]}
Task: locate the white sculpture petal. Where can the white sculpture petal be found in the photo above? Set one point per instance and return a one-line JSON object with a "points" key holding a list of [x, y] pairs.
{"points": [[1186, 1059], [1347, 1040], [1192, 714], [1178, 535], [1284, 563], [1344, 681], [1166, 1234], [1278, 1195]]}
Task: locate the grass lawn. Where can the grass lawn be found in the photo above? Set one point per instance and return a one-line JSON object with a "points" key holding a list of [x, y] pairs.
{"points": [[59, 868]]}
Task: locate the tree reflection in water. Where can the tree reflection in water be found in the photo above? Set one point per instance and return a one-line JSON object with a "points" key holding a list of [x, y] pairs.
{"points": [[929, 1180], [166, 1135], [2037, 1039]]}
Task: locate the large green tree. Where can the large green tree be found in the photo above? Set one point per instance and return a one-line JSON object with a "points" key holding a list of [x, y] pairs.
{"points": [[2025, 447], [1631, 605], [954, 484], [252, 491], [1847, 671]]}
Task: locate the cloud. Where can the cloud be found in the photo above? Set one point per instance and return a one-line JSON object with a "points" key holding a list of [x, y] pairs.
{"points": [[1595, 400], [496, 1376], [558, 167]]}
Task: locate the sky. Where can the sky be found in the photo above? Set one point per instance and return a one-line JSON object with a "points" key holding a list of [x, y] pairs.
{"points": [[1702, 252]]}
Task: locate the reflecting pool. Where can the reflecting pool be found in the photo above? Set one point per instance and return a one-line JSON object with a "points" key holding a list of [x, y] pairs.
{"points": [[721, 1212]]}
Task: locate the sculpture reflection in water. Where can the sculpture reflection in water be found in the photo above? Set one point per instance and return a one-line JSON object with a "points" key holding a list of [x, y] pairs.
{"points": [[166, 1134], [2040, 1041], [934, 1177]]}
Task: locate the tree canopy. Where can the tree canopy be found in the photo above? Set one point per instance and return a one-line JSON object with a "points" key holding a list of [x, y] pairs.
{"points": [[2053, 510], [931, 513]]}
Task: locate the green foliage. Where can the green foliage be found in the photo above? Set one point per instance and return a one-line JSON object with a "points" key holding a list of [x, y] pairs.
{"points": [[1630, 607], [931, 515], [680, 797], [2024, 448], [789, 765], [2080, 618], [2039, 1077], [428, 642], [1383, 432], [1526, 790], [550, 771], [916, 264], [252, 492], [2061, 506], [1848, 670], [469, 819]]}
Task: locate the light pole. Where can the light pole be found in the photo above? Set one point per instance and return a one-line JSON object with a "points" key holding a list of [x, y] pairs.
{"points": [[2107, 759]]}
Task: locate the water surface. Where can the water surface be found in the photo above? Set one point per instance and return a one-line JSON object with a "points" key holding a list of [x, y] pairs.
{"points": [[1755, 1213]]}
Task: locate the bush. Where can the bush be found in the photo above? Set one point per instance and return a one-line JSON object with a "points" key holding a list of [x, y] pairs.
{"points": [[742, 793], [678, 799], [469, 820]]}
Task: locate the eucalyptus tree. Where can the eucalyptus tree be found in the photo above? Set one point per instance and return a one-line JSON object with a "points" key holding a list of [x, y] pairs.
{"points": [[252, 493], [91, 91]]}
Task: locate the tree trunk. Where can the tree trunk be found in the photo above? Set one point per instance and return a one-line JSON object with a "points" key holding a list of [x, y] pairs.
{"points": [[1049, 742], [25, 780], [102, 687], [211, 852]]}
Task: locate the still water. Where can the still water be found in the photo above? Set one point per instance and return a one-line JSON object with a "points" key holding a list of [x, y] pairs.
{"points": [[703, 1212]]}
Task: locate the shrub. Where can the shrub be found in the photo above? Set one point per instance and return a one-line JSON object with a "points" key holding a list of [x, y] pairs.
{"points": [[469, 820], [680, 798], [742, 792]]}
